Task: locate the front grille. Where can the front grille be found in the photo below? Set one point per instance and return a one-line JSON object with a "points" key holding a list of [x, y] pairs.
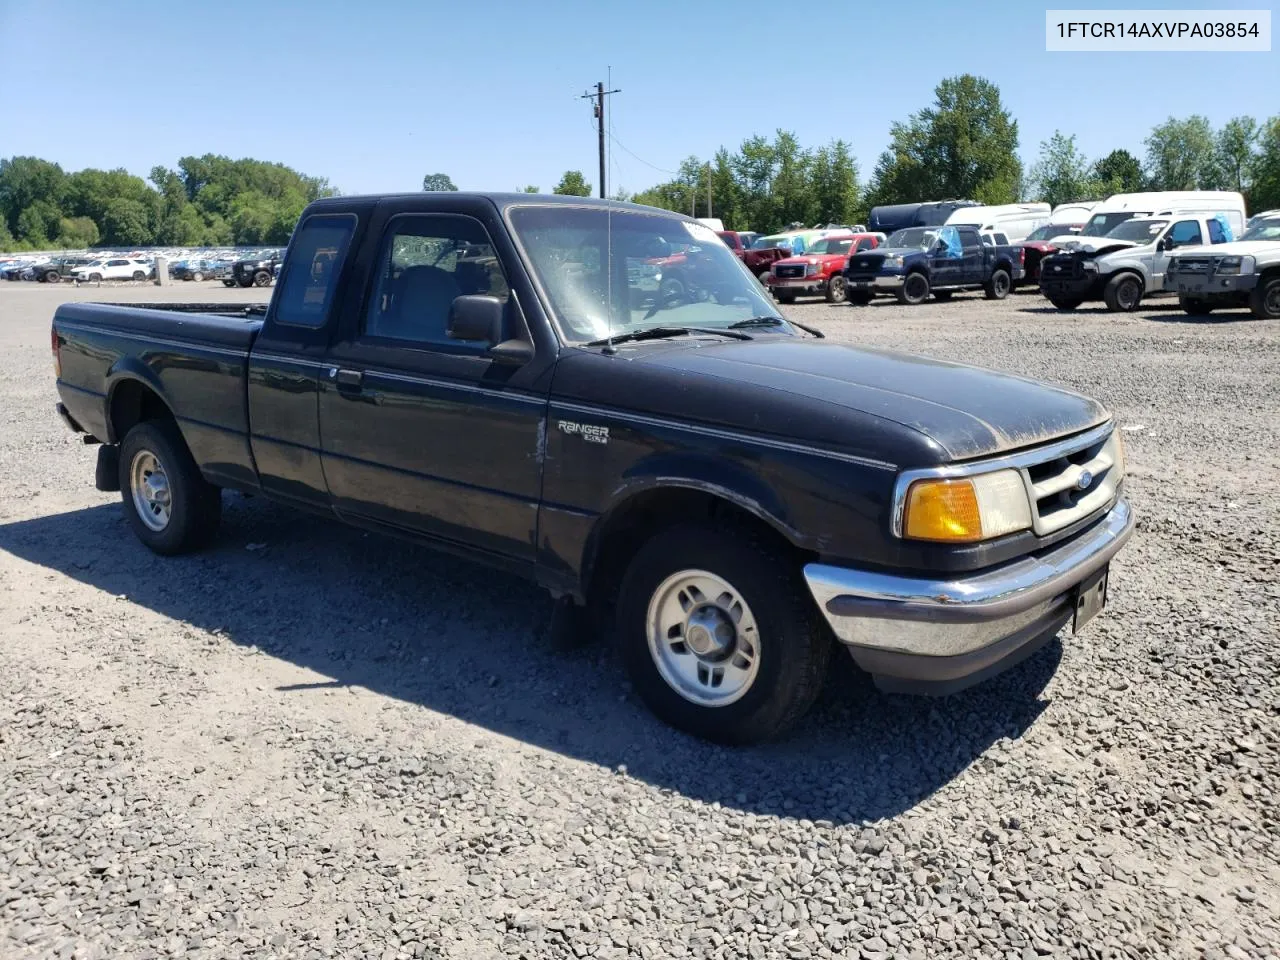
{"points": [[789, 271], [1060, 267], [1194, 265], [864, 265], [1075, 483]]}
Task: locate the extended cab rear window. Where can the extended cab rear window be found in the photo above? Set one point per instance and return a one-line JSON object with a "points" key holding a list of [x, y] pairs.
{"points": [[311, 273]]}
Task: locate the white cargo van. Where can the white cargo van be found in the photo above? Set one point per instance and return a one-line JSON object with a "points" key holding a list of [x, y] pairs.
{"points": [[1072, 212], [1116, 209], [1014, 220]]}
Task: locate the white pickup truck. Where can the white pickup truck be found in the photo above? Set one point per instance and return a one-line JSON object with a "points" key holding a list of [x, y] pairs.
{"points": [[1245, 273], [1128, 263]]}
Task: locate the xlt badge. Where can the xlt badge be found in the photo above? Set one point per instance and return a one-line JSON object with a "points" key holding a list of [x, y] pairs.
{"points": [[592, 433]]}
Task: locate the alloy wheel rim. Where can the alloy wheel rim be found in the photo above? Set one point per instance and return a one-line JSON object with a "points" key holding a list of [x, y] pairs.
{"points": [[703, 638], [149, 485]]}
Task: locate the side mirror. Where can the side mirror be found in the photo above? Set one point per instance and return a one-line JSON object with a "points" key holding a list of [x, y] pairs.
{"points": [[1163, 244], [483, 318]]}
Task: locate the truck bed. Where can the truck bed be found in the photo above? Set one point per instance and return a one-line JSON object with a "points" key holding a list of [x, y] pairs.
{"points": [[195, 356]]}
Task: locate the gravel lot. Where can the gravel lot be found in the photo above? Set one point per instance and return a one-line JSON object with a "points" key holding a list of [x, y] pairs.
{"points": [[312, 742]]}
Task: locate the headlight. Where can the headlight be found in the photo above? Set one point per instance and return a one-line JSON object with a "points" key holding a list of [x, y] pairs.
{"points": [[1236, 265], [812, 268], [893, 262], [1090, 266], [967, 509]]}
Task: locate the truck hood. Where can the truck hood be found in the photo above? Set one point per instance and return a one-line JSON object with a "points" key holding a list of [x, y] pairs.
{"points": [[827, 392], [806, 258], [1095, 245], [1238, 248]]}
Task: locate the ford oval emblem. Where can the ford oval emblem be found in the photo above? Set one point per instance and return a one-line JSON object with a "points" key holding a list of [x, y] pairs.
{"points": [[1085, 481], [1056, 268]]}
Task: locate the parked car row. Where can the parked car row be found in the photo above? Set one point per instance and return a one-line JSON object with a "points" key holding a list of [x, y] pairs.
{"points": [[79, 269]]}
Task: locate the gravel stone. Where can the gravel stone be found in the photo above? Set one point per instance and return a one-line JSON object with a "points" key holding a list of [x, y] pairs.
{"points": [[339, 745]]}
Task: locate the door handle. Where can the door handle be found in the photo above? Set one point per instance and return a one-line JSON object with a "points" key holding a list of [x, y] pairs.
{"points": [[346, 378]]}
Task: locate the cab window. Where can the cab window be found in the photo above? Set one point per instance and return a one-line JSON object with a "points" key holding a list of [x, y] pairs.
{"points": [[318, 253], [1216, 233], [427, 262], [1185, 233]]}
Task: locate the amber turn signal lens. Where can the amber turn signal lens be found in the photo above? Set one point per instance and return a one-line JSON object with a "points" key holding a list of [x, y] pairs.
{"points": [[943, 510]]}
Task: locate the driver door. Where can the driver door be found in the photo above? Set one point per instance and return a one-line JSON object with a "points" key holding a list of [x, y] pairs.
{"points": [[1184, 233]]}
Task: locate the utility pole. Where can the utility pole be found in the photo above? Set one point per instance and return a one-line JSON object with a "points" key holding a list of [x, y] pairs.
{"points": [[598, 97], [709, 214]]}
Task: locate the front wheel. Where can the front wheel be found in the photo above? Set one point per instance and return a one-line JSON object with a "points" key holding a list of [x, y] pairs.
{"points": [[228, 282], [1123, 293], [261, 279], [95, 278], [914, 290], [998, 287], [719, 635], [53, 276], [1264, 302], [170, 506], [1195, 308], [836, 289], [139, 275], [197, 276]]}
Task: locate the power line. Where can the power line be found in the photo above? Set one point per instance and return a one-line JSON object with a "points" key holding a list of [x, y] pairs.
{"points": [[652, 166]]}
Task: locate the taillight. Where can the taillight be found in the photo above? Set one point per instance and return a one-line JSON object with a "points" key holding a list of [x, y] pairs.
{"points": [[1022, 256], [57, 356]]}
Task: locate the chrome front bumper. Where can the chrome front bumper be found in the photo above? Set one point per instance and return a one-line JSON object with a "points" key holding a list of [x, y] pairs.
{"points": [[942, 635], [883, 281]]}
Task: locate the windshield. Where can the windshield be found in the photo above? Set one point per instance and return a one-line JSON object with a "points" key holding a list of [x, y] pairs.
{"points": [[1048, 232], [607, 273], [1101, 224], [764, 243], [1264, 230], [917, 237], [1138, 231], [832, 246]]}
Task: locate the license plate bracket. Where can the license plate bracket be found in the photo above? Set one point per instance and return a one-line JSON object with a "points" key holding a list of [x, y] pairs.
{"points": [[1089, 599]]}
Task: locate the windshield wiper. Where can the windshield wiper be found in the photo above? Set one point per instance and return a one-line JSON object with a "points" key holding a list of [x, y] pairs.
{"points": [[775, 322], [659, 333]]}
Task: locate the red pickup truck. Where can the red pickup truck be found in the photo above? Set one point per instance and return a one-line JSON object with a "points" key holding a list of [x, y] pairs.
{"points": [[758, 261], [819, 270]]}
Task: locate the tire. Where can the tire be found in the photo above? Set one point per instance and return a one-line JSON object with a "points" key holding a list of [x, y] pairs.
{"points": [[998, 287], [1264, 302], [194, 505], [914, 290], [139, 275], [197, 276], [942, 295], [785, 296], [1063, 304], [671, 290], [247, 282], [262, 279], [53, 276], [1195, 308], [762, 275], [836, 288], [228, 282], [1123, 293], [785, 651], [95, 278], [859, 298]]}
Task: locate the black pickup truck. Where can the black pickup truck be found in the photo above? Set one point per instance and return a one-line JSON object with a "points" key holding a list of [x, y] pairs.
{"points": [[725, 491], [918, 261]]}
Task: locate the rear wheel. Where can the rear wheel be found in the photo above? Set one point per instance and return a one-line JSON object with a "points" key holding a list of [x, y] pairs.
{"points": [[1123, 293], [52, 276], [1264, 302], [998, 287], [170, 506], [1196, 308], [197, 276], [139, 275], [836, 289], [719, 635], [915, 289]]}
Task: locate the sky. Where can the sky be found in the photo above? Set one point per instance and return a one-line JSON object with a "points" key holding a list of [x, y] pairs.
{"points": [[373, 95]]}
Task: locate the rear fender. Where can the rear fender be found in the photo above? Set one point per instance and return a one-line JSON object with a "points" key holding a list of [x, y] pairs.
{"points": [[125, 370]]}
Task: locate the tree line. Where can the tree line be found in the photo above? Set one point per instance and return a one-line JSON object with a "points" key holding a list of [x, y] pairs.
{"points": [[208, 201], [964, 145]]}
